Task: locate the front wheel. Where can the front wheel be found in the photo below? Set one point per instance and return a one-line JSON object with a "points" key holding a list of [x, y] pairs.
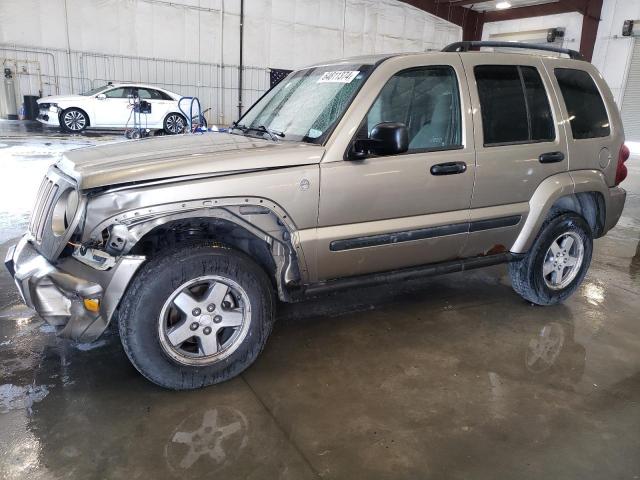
{"points": [[557, 262], [174, 123], [73, 120], [196, 316]]}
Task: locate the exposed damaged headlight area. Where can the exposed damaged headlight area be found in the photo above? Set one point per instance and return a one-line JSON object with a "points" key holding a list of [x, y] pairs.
{"points": [[94, 257], [56, 215]]}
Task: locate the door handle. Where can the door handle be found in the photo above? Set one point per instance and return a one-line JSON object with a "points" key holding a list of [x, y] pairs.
{"points": [[449, 168], [551, 157]]}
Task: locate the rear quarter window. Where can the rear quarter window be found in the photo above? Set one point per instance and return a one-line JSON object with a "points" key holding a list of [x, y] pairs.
{"points": [[587, 113], [162, 95]]}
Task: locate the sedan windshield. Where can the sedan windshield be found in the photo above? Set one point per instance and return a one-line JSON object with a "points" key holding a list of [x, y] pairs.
{"points": [[94, 91], [305, 105]]}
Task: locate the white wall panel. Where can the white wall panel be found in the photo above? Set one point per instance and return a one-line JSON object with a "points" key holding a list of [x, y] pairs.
{"points": [[192, 46], [612, 53], [336, 28]]}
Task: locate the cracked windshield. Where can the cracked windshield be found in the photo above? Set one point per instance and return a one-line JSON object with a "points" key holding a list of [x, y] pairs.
{"points": [[305, 105]]}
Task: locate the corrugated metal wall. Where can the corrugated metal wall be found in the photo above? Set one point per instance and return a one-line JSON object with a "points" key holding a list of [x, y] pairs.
{"points": [[39, 70], [631, 100]]}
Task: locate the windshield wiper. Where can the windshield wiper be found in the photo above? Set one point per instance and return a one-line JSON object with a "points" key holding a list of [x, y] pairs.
{"points": [[260, 128]]}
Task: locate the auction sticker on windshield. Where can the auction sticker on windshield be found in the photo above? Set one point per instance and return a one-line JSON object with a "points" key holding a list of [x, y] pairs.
{"points": [[338, 77]]}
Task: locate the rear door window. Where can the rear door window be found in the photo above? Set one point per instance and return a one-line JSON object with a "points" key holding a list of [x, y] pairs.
{"points": [[150, 94], [143, 93], [514, 105], [587, 113], [162, 95]]}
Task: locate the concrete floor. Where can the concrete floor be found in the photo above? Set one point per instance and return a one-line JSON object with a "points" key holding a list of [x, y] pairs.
{"points": [[452, 377]]}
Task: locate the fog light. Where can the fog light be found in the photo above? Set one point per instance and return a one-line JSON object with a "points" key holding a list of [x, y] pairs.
{"points": [[92, 304]]}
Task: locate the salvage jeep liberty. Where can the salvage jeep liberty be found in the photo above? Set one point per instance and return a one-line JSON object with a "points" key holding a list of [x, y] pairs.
{"points": [[371, 169]]}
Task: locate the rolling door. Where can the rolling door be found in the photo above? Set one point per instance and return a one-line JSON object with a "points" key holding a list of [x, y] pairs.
{"points": [[631, 100]]}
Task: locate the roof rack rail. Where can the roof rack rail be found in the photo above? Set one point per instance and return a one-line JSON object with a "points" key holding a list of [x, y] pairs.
{"points": [[468, 45]]}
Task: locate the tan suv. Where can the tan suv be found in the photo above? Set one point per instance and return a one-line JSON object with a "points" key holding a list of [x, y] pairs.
{"points": [[371, 169]]}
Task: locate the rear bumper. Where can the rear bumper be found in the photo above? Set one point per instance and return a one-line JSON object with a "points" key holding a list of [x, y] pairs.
{"points": [[57, 293], [617, 197]]}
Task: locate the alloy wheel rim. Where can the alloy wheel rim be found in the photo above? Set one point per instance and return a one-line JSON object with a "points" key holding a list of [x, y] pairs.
{"points": [[175, 124], [74, 120], [204, 320], [563, 260]]}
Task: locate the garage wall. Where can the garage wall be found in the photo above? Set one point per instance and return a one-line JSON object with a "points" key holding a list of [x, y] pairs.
{"points": [[192, 46], [612, 54], [572, 22]]}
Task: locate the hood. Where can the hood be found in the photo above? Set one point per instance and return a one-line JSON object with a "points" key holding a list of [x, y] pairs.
{"points": [[181, 155], [61, 98]]}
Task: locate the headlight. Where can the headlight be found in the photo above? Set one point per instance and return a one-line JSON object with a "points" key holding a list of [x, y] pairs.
{"points": [[53, 108], [63, 212]]}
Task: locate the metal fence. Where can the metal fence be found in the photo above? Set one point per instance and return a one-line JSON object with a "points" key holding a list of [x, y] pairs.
{"points": [[50, 71]]}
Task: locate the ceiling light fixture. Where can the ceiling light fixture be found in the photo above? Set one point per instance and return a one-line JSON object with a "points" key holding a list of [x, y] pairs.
{"points": [[503, 5]]}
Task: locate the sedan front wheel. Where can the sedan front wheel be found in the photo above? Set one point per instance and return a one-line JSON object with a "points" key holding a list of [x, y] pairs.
{"points": [[73, 120]]}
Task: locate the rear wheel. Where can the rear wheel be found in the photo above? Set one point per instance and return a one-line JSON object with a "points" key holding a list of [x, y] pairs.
{"points": [[73, 120], [174, 123], [196, 316], [557, 262]]}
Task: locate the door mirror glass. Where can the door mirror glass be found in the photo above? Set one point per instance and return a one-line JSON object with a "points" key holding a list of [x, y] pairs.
{"points": [[386, 138], [101, 96]]}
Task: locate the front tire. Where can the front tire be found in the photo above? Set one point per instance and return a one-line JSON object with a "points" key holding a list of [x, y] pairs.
{"points": [[196, 316], [73, 120], [557, 262]]}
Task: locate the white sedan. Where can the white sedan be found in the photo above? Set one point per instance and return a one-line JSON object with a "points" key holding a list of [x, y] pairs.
{"points": [[110, 106]]}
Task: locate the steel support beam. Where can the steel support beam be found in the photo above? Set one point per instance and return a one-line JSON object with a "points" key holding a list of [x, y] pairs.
{"points": [[590, 10], [472, 22], [460, 3], [590, 22]]}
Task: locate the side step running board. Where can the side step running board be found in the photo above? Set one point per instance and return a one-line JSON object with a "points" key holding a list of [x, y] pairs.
{"points": [[409, 273]]}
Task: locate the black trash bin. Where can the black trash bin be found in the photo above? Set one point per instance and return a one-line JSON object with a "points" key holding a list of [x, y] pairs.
{"points": [[30, 107]]}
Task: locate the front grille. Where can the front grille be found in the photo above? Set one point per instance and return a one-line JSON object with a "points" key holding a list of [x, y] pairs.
{"points": [[42, 209], [54, 185]]}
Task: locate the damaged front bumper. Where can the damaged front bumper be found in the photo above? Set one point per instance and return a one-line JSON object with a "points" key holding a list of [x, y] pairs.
{"points": [[58, 293]]}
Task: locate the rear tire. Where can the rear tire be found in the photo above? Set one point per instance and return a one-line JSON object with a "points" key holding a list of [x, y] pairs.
{"points": [[557, 262], [149, 316], [174, 124]]}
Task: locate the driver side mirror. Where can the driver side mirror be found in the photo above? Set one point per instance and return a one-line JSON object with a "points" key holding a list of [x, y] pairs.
{"points": [[101, 96], [386, 138]]}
